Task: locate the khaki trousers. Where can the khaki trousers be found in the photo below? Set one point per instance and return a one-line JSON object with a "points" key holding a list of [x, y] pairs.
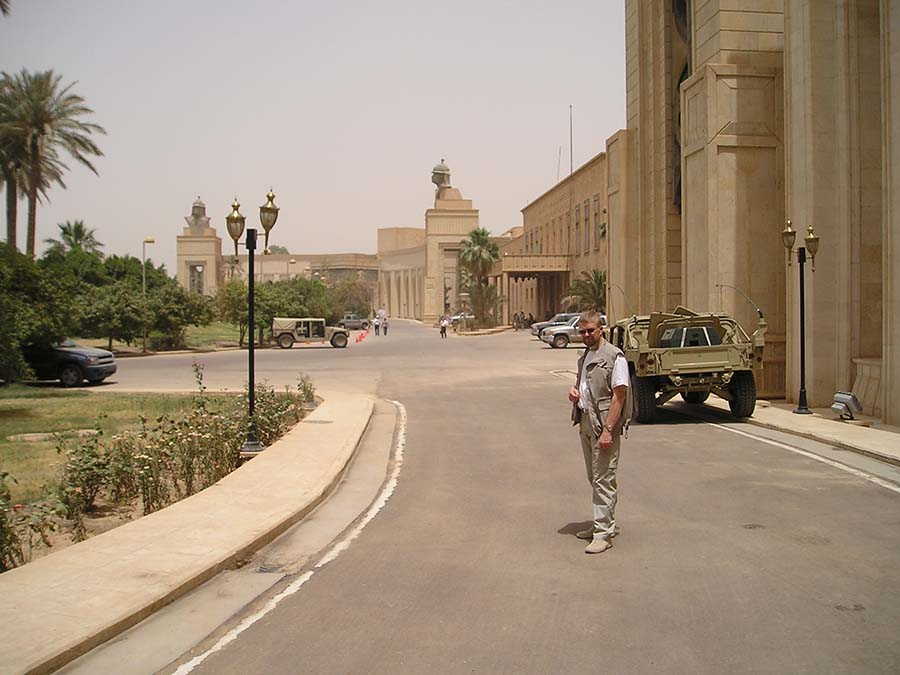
{"points": [[601, 468]]}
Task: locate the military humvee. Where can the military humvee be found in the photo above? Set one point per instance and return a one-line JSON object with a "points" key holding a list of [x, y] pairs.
{"points": [[690, 354], [306, 331]]}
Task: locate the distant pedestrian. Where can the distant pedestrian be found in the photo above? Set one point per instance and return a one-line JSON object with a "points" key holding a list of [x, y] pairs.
{"points": [[530, 319], [445, 321], [601, 407], [384, 325], [377, 324]]}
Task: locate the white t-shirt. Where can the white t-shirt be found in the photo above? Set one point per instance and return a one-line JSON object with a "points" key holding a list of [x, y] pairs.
{"points": [[620, 377]]}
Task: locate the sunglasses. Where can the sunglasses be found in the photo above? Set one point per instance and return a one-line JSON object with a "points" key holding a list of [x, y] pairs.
{"points": [[586, 331]]}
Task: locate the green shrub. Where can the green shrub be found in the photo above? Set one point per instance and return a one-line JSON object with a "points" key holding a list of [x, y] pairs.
{"points": [[24, 527]]}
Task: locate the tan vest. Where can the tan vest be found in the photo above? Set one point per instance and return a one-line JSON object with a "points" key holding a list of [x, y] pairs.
{"points": [[599, 374]]}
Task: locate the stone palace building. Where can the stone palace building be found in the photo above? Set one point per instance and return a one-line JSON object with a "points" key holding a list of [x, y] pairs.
{"points": [[741, 114]]}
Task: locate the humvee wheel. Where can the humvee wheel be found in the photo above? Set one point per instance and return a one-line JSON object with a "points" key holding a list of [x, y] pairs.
{"points": [[695, 397], [644, 398], [560, 341], [339, 340], [285, 341], [743, 393]]}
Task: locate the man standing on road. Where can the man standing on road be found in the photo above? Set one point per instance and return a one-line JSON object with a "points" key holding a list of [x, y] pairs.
{"points": [[599, 401]]}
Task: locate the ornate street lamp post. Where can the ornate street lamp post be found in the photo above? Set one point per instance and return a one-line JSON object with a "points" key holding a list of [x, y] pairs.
{"points": [[268, 214], [147, 240], [788, 236]]}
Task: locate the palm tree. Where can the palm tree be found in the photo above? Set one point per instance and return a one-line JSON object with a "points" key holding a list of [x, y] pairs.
{"points": [[74, 236], [46, 116], [14, 178], [477, 254], [12, 156], [588, 292]]}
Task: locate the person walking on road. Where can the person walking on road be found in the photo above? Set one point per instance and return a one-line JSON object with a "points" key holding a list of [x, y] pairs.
{"points": [[444, 322], [600, 408], [377, 324], [384, 325]]}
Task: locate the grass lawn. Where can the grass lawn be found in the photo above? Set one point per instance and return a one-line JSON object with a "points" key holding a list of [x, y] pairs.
{"points": [[28, 409], [216, 334]]}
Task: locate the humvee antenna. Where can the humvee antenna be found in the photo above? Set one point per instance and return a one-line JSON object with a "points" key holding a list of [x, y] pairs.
{"points": [[759, 312], [624, 295]]}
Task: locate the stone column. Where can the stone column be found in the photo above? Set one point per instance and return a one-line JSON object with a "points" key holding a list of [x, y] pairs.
{"points": [[506, 291], [732, 207], [890, 60], [833, 117]]}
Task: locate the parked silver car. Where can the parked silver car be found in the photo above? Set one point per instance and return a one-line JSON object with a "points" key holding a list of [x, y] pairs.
{"points": [[561, 335], [557, 320], [352, 321]]}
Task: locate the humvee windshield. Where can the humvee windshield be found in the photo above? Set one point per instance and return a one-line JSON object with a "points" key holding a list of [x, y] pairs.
{"points": [[697, 336]]}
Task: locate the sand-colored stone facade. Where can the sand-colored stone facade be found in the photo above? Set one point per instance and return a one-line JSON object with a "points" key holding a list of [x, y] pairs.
{"points": [[740, 116], [564, 233], [412, 276]]}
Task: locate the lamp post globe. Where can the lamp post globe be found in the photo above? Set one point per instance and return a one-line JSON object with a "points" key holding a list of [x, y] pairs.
{"points": [[812, 245], [788, 236], [234, 221], [268, 214]]}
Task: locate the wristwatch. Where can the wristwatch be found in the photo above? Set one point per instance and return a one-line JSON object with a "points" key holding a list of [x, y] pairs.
{"points": [[607, 427]]}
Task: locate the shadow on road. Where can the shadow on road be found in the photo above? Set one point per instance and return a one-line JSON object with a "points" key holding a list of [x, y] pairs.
{"points": [[573, 528]]}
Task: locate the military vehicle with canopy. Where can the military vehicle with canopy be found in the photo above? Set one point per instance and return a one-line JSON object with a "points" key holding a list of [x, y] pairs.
{"points": [[691, 354]]}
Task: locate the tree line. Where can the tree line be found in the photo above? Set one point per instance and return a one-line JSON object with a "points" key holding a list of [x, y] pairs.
{"points": [[74, 289]]}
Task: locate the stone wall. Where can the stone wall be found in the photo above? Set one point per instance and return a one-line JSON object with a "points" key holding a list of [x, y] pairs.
{"points": [[733, 168]]}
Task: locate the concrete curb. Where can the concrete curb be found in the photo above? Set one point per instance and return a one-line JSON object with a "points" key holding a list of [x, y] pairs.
{"points": [[486, 331], [65, 604]]}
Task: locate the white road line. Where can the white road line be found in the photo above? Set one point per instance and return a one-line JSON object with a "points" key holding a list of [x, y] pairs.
{"points": [[335, 551], [843, 467]]}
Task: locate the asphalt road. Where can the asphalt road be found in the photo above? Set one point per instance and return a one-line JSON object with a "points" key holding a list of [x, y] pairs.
{"points": [[735, 555]]}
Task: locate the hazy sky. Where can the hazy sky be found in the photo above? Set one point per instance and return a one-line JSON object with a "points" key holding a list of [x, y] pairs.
{"points": [[342, 107]]}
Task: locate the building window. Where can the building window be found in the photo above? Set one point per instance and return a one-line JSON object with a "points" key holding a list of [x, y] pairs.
{"points": [[587, 228], [195, 278], [596, 222], [577, 229]]}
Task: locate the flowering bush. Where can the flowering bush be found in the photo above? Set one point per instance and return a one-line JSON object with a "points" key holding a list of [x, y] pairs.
{"points": [[162, 461], [23, 527]]}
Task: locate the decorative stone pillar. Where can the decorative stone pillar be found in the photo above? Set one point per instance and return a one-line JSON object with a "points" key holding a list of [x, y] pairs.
{"points": [[890, 105], [732, 202]]}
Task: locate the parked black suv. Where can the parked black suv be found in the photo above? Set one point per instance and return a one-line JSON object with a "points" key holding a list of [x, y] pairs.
{"points": [[69, 363]]}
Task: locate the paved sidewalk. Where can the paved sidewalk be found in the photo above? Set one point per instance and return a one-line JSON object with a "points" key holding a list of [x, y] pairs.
{"points": [[61, 606], [880, 443]]}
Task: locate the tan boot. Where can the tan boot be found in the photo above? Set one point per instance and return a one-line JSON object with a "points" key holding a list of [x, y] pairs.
{"points": [[598, 546]]}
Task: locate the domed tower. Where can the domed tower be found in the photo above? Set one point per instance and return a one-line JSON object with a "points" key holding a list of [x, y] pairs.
{"points": [[440, 176], [446, 225], [199, 253]]}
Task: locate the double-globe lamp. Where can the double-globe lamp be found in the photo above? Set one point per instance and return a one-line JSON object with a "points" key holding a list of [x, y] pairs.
{"points": [[268, 214], [788, 237]]}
